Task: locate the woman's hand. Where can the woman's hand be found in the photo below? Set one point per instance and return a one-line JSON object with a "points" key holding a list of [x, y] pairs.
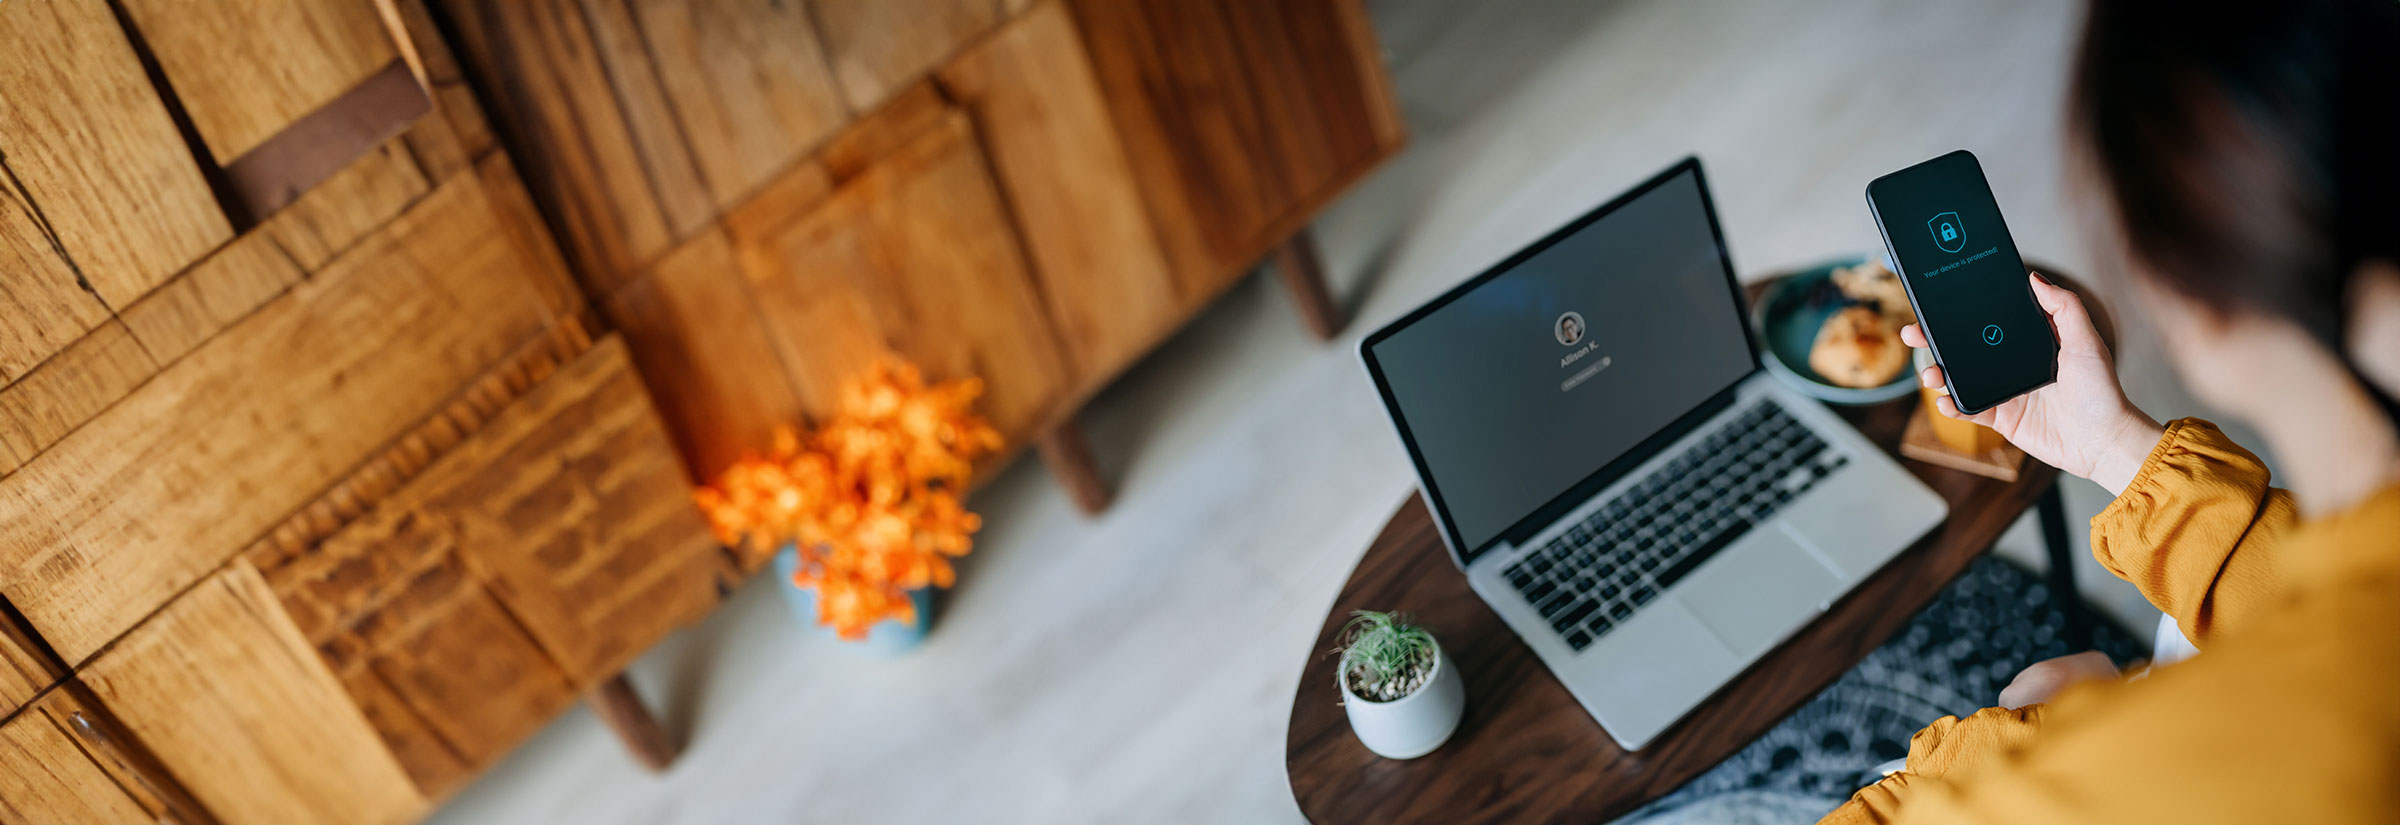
{"points": [[2044, 679], [2081, 423]]}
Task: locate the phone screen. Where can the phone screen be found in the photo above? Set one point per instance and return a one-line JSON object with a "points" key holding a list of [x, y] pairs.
{"points": [[1944, 232]]}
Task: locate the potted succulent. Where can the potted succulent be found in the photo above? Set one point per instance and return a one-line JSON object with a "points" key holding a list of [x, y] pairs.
{"points": [[864, 513], [1403, 695]]}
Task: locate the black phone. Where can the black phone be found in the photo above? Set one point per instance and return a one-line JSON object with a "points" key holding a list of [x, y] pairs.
{"points": [[1943, 231]]}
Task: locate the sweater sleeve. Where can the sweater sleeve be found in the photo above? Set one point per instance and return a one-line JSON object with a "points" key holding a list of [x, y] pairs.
{"points": [[1948, 749], [2197, 531]]}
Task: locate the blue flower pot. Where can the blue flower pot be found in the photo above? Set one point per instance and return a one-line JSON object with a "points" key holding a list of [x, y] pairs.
{"points": [[887, 638]]}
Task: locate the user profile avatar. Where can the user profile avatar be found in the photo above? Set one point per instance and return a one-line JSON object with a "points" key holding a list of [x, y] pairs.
{"points": [[1569, 328]]}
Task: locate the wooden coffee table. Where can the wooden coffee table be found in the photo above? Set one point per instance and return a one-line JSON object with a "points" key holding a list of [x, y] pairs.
{"points": [[1527, 753]]}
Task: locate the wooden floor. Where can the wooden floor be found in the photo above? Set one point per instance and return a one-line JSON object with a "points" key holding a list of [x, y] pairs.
{"points": [[1135, 668]]}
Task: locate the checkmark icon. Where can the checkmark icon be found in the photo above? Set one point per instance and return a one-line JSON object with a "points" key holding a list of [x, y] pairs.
{"points": [[1991, 333]]}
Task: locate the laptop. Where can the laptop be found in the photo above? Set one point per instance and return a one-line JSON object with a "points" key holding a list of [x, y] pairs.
{"points": [[1614, 472]]}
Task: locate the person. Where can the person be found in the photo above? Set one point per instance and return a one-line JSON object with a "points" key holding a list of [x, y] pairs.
{"points": [[1570, 329], [2246, 157]]}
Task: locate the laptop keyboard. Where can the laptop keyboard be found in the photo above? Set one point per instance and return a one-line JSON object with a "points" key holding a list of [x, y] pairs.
{"points": [[1597, 574]]}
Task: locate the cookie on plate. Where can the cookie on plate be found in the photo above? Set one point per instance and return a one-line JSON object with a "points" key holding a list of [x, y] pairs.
{"points": [[1871, 283], [1857, 348]]}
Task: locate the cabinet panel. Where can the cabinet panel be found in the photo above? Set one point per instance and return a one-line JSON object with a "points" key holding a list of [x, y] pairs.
{"points": [[620, 196], [748, 83], [1039, 110], [49, 780], [1242, 117], [512, 551], [42, 310], [222, 288], [878, 46], [67, 390], [245, 70], [84, 131], [223, 689], [914, 255], [24, 670], [164, 486], [703, 348], [573, 505]]}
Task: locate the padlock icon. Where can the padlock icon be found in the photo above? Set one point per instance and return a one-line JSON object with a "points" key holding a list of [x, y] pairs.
{"points": [[1949, 233]]}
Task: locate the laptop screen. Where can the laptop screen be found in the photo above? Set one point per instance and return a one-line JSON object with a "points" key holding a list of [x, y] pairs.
{"points": [[1520, 386]]}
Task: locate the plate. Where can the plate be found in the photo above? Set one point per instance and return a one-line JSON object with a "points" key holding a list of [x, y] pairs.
{"points": [[1786, 319]]}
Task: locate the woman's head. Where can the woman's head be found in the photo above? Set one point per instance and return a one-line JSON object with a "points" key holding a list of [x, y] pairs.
{"points": [[2250, 158]]}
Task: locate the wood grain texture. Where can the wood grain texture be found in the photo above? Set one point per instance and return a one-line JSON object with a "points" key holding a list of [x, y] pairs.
{"points": [[245, 71], [223, 288], [1526, 751], [914, 256], [1242, 118], [224, 690], [457, 134], [26, 668], [522, 221], [67, 390], [704, 350], [123, 196], [1038, 107], [540, 62], [43, 307], [888, 128], [748, 83], [162, 487], [347, 205], [469, 670], [50, 779], [375, 479], [640, 88], [103, 738], [446, 676], [878, 46], [572, 504], [784, 200]]}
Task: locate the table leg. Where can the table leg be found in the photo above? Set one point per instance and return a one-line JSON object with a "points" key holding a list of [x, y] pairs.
{"points": [[1304, 276], [621, 709], [1069, 458], [2052, 509]]}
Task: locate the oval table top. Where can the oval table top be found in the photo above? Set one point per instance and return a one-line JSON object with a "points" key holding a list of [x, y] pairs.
{"points": [[1526, 752]]}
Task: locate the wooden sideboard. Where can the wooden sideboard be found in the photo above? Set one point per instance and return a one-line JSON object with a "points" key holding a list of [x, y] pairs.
{"points": [[341, 447], [765, 197], [321, 486]]}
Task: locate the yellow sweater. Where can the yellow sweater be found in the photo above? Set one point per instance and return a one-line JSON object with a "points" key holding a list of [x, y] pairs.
{"points": [[2290, 717]]}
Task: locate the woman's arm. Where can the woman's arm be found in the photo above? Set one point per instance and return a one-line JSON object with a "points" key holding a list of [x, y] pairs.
{"points": [[1949, 748], [2198, 530], [2194, 524]]}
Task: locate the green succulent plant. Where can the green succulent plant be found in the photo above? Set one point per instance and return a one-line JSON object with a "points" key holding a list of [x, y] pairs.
{"points": [[1383, 656]]}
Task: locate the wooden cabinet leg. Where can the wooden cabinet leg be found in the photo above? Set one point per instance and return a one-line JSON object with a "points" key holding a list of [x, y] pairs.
{"points": [[1069, 458], [621, 709], [1304, 276]]}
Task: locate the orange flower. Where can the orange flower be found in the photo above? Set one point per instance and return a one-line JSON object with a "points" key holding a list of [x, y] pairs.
{"points": [[872, 499]]}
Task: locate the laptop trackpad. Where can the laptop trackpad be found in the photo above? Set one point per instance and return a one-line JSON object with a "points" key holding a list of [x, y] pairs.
{"points": [[1759, 590]]}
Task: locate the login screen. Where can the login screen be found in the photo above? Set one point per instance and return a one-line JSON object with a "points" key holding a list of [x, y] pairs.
{"points": [[1945, 234]]}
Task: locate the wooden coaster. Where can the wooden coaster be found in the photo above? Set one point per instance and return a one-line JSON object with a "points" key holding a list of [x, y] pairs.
{"points": [[1919, 443]]}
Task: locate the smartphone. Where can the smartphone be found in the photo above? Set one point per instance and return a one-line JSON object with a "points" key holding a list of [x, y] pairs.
{"points": [[1943, 231]]}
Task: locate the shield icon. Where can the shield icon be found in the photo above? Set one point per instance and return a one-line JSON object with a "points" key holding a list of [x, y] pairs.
{"points": [[1948, 233]]}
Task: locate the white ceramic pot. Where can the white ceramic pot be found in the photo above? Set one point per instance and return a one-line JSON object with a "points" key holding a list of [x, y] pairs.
{"points": [[1413, 725]]}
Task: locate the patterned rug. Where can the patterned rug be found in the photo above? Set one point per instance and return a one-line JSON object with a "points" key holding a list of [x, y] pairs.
{"points": [[1953, 658]]}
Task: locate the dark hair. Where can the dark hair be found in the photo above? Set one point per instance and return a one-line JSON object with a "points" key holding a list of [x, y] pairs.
{"points": [[2249, 148]]}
